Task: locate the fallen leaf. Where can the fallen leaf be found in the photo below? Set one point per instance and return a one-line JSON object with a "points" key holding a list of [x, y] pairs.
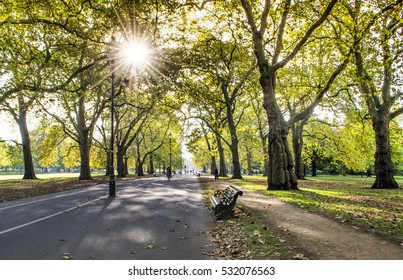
{"points": [[151, 246], [67, 256], [300, 257]]}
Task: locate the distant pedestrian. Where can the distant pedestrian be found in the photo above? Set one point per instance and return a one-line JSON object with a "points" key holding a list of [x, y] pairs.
{"points": [[169, 173], [215, 174]]}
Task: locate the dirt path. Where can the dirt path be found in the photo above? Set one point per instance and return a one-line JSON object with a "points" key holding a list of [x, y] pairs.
{"points": [[316, 236]]}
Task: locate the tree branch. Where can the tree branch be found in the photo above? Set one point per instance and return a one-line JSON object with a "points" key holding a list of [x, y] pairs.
{"points": [[279, 43], [304, 39], [395, 113], [308, 110]]}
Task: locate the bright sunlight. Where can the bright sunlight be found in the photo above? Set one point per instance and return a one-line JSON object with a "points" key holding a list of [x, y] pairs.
{"points": [[135, 53]]}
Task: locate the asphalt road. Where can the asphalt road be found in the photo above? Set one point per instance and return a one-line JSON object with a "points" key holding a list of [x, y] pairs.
{"points": [[149, 219]]}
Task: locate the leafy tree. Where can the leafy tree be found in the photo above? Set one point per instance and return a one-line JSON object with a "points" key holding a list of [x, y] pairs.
{"points": [[131, 116], [274, 46], [376, 32], [201, 145], [4, 159], [49, 138], [230, 74]]}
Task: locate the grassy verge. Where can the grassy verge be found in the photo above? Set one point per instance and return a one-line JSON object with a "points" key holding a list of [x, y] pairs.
{"points": [[12, 187], [347, 199], [19, 189], [245, 237]]}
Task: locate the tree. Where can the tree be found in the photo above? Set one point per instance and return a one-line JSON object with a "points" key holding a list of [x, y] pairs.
{"points": [[76, 117], [24, 64], [224, 66], [131, 115], [376, 33], [5, 161], [262, 127], [281, 174], [49, 139], [55, 44]]}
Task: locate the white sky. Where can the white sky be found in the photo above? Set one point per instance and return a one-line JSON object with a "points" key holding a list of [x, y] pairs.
{"points": [[8, 128]]}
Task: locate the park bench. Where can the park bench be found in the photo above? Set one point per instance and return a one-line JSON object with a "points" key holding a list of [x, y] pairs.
{"points": [[223, 206]]}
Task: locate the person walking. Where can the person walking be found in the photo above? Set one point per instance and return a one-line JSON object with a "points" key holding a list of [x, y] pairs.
{"points": [[169, 173], [215, 174]]}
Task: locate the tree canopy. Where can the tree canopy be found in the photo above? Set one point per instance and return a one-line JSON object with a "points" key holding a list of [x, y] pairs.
{"points": [[283, 88]]}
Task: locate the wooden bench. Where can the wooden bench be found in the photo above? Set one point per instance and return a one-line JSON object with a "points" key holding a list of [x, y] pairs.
{"points": [[224, 205]]}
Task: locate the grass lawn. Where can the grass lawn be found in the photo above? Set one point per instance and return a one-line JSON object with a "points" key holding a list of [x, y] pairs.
{"points": [[12, 187], [348, 199]]}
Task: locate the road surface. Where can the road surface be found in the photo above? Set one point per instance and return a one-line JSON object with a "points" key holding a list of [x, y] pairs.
{"points": [[149, 219]]}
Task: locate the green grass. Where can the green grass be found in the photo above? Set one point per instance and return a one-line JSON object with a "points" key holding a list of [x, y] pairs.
{"points": [[13, 187], [46, 176], [348, 199]]}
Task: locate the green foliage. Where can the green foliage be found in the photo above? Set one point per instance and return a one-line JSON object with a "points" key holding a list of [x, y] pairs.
{"points": [[4, 159], [54, 58], [396, 140], [70, 154], [14, 154], [49, 147]]}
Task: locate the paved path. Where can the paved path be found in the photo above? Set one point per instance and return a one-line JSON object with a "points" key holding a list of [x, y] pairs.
{"points": [[148, 219], [316, 236]]}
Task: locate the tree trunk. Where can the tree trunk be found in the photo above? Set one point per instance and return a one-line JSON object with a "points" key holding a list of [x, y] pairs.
{"points": [[380, 117], [85, 171], [126, 165], [83, 141], [383, 160], [265, 157], [151, 167], [140, 169], [249, 160], [297, 143], [120, 162], [213, 158], [223, 168], [213, 165], [281, 174], [29, 170], [236, 173], [108, 163], [314, 168]]}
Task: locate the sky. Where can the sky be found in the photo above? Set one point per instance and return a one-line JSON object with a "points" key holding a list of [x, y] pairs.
{"points": [[8, 129]]}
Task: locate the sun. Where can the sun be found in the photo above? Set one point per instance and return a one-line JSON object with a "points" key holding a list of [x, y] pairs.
{"points": [[135, 53]]}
